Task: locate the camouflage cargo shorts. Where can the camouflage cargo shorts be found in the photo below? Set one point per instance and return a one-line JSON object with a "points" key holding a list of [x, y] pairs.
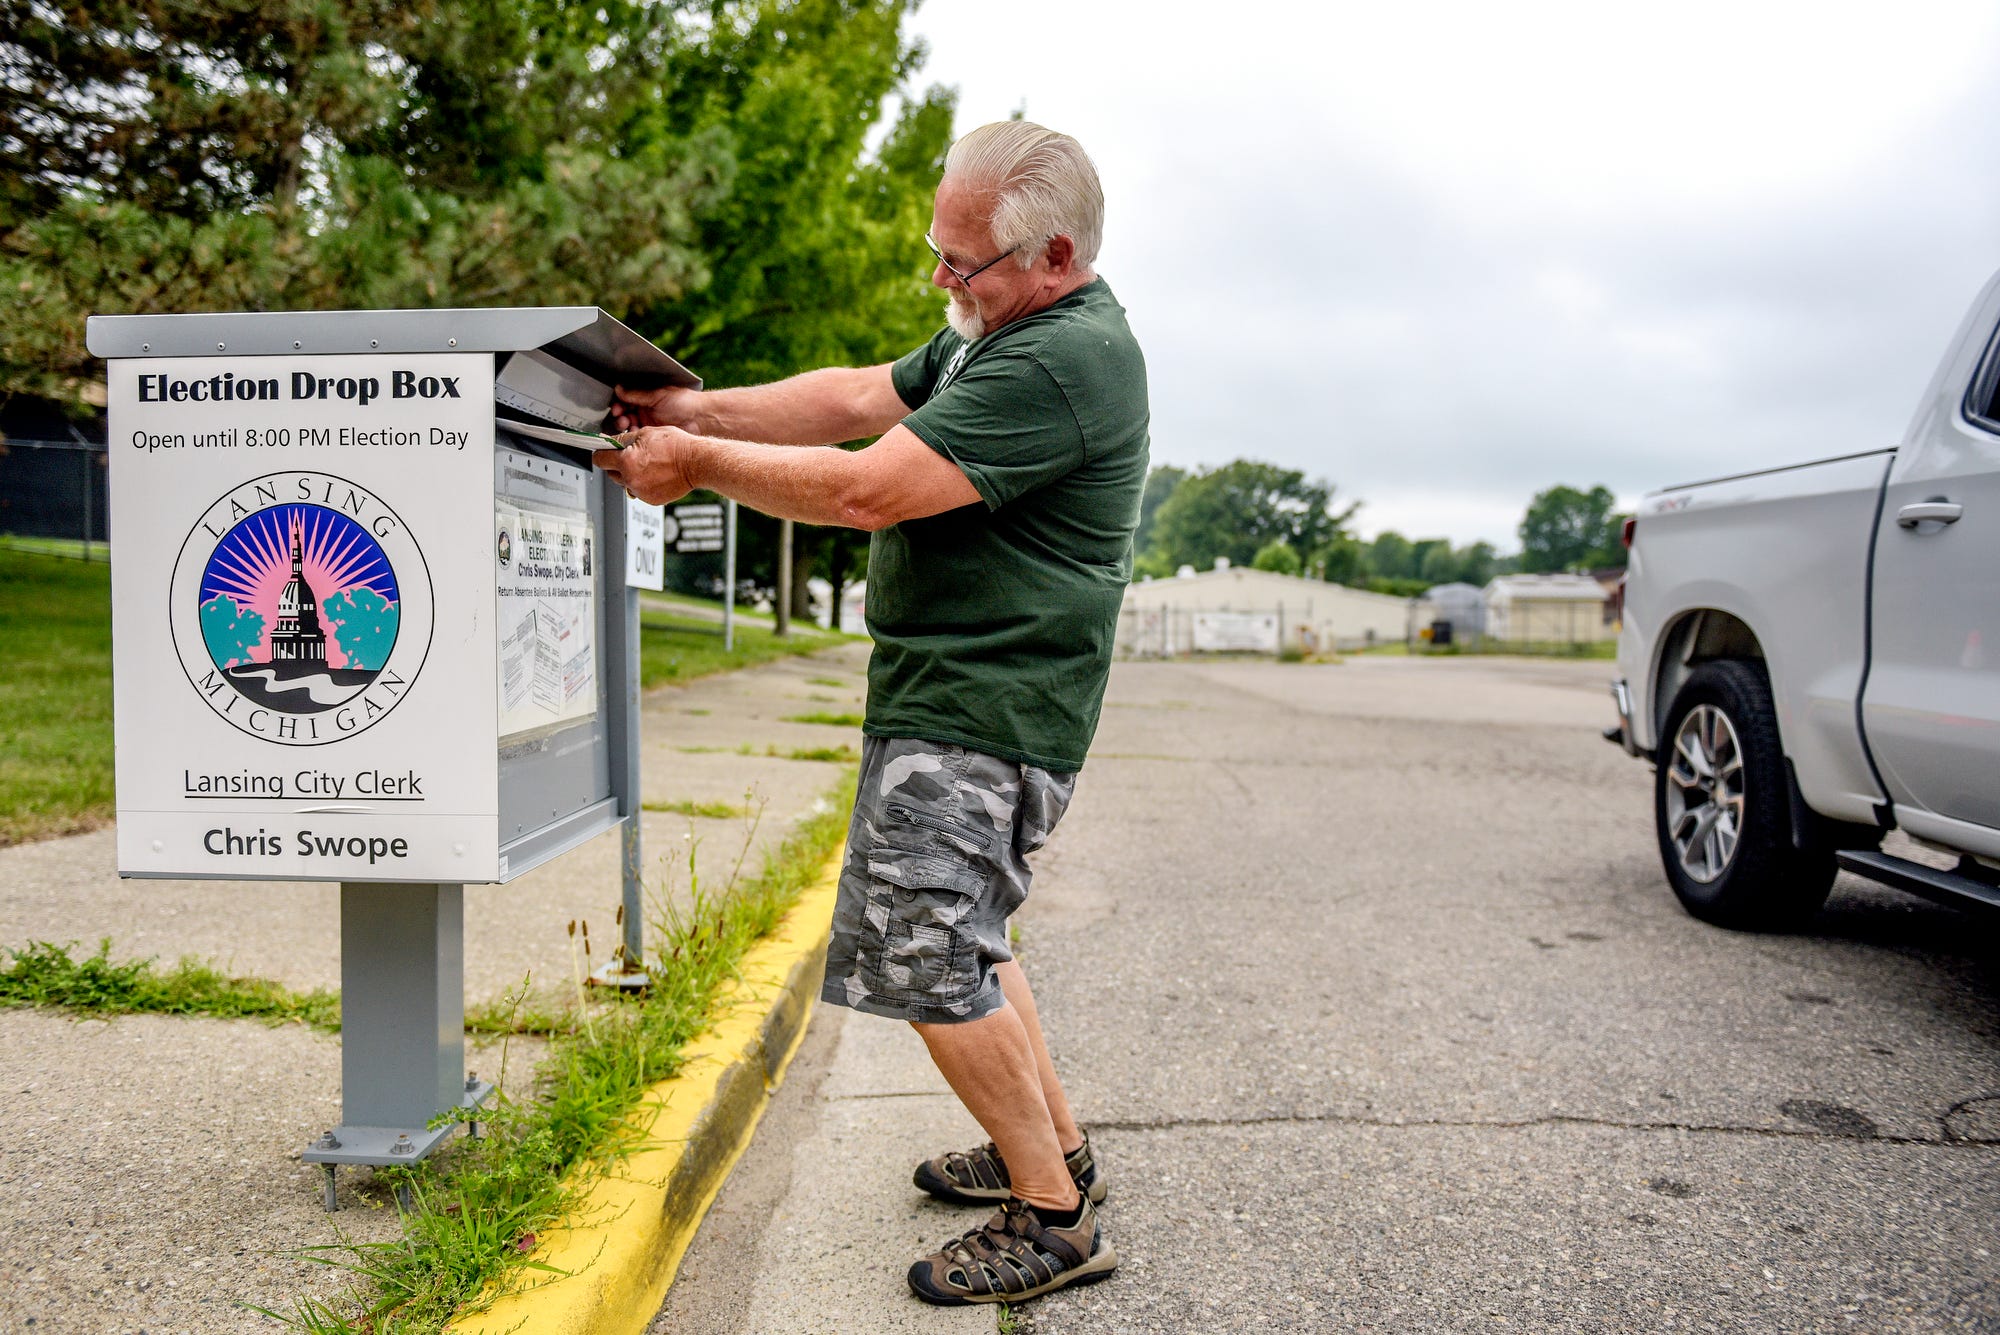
{"points": [[936, 863]]}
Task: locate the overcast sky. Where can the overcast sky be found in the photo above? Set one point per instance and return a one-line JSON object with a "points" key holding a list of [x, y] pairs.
{"points": [[1447, 255]]}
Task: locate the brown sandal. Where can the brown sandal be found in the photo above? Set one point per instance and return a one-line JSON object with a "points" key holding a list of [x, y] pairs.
{"points": [[1014, 1257], [979, 1176]]}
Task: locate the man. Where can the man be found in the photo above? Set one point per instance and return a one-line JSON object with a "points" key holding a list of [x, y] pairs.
{"points": [[1002, 495]]}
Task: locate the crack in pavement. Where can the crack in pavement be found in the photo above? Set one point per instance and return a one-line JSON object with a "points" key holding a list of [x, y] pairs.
{"points": [[1945, 1140], [892, 1094]]}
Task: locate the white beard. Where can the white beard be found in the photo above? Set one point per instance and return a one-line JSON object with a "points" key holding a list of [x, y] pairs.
{"points": [[964, 319]]}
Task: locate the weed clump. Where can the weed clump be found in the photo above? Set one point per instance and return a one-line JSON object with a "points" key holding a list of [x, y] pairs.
{"points": [[45, 974], [705, 810], [830, 720]]}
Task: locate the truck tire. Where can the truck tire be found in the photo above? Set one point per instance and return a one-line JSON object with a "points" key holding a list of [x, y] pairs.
{"points": [[1722, 808]]}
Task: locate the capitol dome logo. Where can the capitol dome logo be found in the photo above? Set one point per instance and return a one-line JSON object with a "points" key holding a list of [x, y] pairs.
{"points": [[302, 608]]}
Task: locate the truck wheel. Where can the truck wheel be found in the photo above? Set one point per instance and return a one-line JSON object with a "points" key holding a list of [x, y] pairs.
{"points": [[1722, 810]]}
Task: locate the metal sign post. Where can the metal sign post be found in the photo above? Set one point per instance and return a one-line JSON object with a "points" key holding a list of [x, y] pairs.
{"points": [[630, 971], [402, 1027], [781, 621], [645, 568], [729, 580]]}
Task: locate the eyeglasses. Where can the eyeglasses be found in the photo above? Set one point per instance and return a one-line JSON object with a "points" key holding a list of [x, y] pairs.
{"points": [[966, 278]]}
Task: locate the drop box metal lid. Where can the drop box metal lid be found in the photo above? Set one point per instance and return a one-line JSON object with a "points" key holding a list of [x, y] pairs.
{"points": [[583, 334]]}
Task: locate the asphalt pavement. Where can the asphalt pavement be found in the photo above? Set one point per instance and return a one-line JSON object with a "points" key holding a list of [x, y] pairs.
{"points": [[1367, 979]]}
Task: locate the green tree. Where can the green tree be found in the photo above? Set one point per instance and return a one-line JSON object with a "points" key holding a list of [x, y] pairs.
{"points": [[1343, 560], [1239, 508], [1390, 556], [1280, 557], [1160, 484], [817, 255], [1567, 529], [1420, 554], [697, 170], [314, 154], [188, 108], [1444, 564]]}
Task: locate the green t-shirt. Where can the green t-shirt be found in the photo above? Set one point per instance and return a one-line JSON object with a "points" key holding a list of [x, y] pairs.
{"points": [[993, 623]]}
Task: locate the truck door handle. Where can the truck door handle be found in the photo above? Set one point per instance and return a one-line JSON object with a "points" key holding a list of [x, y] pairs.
{"points": [[1940, 511]]}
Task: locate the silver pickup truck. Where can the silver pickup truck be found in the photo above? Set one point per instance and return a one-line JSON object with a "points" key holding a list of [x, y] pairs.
{"points": [[1810, 657]]}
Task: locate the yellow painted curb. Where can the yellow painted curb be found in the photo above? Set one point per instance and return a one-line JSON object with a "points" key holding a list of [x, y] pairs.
{"points": [[621, 1248]]}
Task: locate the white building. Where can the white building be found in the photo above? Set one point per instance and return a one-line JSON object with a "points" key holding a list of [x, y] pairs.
{"points": [[1255, 611], [1547, 609], [1462, 605]]}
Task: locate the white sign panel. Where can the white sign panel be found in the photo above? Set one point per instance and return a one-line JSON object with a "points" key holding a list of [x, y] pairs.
{"points": [[545, 554], [645, 545], [694, 528], [294, 688], [1235, 632]]}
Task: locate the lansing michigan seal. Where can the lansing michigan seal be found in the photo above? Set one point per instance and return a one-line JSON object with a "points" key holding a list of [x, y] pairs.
{"points": [[301, 608]]}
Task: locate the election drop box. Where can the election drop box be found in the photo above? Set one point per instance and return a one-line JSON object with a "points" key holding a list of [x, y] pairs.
{"points": [[360, 583], [370, 621]]}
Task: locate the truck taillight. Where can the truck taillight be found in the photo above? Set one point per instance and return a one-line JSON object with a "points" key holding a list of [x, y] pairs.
{"points": [[1625, 532]]}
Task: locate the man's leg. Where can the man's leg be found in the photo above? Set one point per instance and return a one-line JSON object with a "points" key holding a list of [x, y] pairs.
{"points": [[1022, 1000], [996, 1069]]}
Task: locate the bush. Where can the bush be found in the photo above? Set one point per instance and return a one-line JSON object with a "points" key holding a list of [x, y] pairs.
{"points": [[1277, 557]]}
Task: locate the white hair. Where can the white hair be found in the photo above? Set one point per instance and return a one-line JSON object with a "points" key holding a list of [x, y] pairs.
{"points": [[1044, 187]]}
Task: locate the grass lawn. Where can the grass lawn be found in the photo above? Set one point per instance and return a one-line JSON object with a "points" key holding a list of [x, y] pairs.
{"points": [[74, 548], [680, 648], [55, 695], [55, 683], [711, 607]]}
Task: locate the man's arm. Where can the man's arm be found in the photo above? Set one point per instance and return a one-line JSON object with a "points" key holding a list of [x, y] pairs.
{"points": [[898, 477], [823, 407]]}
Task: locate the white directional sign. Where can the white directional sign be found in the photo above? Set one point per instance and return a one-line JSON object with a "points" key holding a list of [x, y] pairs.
{"points": [[694, 528], [293, 686], [645, 545]]}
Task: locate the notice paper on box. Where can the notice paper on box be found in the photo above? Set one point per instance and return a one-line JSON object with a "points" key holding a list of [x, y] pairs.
{"points": [[545, 552]]}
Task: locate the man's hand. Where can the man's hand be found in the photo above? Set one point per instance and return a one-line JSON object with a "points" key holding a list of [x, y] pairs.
{"points": [[899, 477], [667, 406], [654, 465]]}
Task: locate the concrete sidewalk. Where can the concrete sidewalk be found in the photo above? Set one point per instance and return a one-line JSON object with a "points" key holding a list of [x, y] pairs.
{"points": [[804, 1238], [149, 1174]]}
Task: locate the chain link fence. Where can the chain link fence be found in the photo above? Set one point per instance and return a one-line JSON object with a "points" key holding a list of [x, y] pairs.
{"points": [[53, 498], [1575, 628], [1571, 628], [1167, 631]]}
